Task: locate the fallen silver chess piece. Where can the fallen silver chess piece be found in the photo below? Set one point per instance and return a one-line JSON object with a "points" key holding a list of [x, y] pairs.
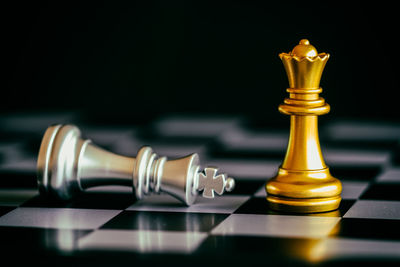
{"points": [[68, 164]]}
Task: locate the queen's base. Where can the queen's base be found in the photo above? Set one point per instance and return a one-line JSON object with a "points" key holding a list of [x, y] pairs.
{"points": [[304, 205], [305, 191]]}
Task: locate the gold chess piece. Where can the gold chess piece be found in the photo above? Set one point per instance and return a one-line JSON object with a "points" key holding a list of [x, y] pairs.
{"points": [[303, 183]]}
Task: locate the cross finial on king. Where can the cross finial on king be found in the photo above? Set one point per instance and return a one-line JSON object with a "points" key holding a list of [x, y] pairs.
{"points": [[211, 182]]}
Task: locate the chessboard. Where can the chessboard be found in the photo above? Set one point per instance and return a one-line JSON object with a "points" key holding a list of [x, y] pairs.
{"points": [[108, 226]]}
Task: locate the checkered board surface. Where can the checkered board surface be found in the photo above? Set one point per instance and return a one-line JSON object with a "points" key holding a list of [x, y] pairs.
{"points": [[108, 226]]}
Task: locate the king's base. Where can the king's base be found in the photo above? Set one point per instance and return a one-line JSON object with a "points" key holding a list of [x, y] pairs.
{"points": [[303, 205]]}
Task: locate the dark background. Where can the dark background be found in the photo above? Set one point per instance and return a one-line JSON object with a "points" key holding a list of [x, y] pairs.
{"points": [[132, 59]]}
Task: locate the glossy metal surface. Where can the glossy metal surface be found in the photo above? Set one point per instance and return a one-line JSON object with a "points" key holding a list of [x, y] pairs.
{"points": [[68, 164], [303, 183]]}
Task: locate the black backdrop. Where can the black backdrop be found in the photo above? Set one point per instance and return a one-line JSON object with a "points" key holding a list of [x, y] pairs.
{"points": [[135, 58]]}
